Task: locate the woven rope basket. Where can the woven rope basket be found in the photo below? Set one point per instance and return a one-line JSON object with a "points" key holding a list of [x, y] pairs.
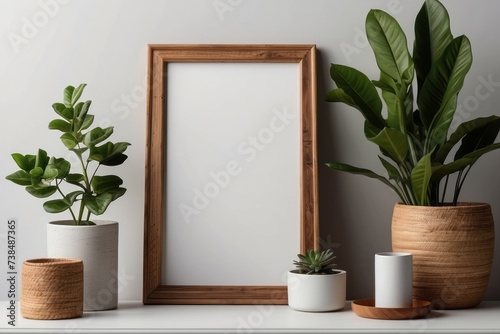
{"points": [[52, 289], [452, 249]]}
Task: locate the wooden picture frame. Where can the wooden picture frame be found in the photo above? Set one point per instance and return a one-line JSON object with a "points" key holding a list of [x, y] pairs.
{"points": [[154, 291]]}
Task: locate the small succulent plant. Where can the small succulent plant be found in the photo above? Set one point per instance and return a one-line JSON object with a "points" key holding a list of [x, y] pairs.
{"points": [[315, 262]]}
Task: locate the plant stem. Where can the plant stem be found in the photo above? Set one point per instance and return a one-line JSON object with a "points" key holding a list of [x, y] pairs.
{"points": [[457, 187], [87, 185], [406, 188], [460, 183], [444, 189], [399, 188], [80, 213], [413, 154], [95, 172], [62, 194]]}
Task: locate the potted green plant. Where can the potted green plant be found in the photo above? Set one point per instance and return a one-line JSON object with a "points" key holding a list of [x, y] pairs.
{"points": [[82, 193], [408, 114], [315, 286]]}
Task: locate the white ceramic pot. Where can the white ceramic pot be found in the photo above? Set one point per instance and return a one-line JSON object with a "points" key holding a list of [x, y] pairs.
{"points": [[317, 293], [97, 246]]}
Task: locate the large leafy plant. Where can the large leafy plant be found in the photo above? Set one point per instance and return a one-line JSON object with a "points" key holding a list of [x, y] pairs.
{"points": [[82, 193], [412, 130]]}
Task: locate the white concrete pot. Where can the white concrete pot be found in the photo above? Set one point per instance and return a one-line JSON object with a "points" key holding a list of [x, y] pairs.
{"points": [[97, 246], [317, 293]]}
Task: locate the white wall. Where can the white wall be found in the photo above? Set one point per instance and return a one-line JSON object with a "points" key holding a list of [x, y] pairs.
{"points": [[48, 44]]}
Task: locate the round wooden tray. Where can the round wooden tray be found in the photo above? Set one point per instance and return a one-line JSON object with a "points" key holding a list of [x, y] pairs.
{"points": [[366, 308]]}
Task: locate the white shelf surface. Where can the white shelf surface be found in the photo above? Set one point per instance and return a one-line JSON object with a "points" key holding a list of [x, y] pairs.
{"points": [[134, 317]]}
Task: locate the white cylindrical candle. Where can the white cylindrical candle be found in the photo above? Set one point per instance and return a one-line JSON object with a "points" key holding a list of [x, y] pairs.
{"points": [[393, 280]]}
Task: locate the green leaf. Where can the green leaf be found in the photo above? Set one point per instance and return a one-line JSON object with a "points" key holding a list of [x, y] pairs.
{"points": [[74, 178], [50, 172], [391, 170], [408, 75], [389, 44], [478, 138], [461, 131], [102, 184], [115, 160], [79, 151], [432, 36], [393, 142], [81, 110], [117, 193], [440, 171], [78, 110], [41, 159], [338, 95], [479, 153], [36, 172], [395, 111], [361, 91], [438, 98], [62, 166], [68, 96], [63, 111], [56, 206], [360, 171], [25, 162], [73, 196], [370, 130], [408, 105], [99, 153], [85, 106], [98, 204], [20, 177], [69, 140], [41, 192], [302, 257], [61, 125], [386, 83], [109, 154], [469, 159], [420, 177], [76, 93], [87, 122], [97, 135]]}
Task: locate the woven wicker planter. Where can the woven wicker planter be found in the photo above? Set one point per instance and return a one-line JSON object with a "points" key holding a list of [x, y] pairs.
{"points": [[452, 249], [52, 289]]}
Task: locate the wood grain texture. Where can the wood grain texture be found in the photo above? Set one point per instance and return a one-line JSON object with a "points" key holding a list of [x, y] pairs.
{"points": [[155, 199], [366, 308]]}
